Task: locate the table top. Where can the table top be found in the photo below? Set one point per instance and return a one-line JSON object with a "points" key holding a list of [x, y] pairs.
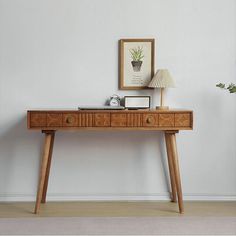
{"points": [[104, 110]]}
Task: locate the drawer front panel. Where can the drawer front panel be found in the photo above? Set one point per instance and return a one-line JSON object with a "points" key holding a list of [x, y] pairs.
{"points": [[70, 120], [166, 120], [85, 120], [38, 119], [183, 120], [150, 120], [54, 120], [134, 120], [102, 119], [140, 120], [118, 120]]}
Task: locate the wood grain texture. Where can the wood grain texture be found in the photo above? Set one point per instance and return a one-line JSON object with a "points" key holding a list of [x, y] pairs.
{"points": [[118, 120], [108, 120], [54, 119], [134, 120], [118, 209], [48, 138], [38, 119], [85, 120], [45, 185], [176, 170], [170, 121], [166, 120], [102, 119], [183, 119], [171, 167], [169, 111]]}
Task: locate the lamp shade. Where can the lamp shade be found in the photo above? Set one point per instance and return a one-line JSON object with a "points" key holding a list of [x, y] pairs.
{"points": [[162, 79]]}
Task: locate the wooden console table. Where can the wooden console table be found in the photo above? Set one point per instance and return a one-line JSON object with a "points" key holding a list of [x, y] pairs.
{"points": [[170, 121]]}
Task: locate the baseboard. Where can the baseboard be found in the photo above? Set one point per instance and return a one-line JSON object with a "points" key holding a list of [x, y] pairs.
{"points": [[18, 197]]}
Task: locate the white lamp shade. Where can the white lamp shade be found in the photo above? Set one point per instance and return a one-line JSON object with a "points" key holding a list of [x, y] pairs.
{"points": [[162, 79]]}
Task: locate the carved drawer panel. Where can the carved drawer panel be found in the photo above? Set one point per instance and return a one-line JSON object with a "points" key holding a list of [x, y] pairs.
{"points": [[118, 120], [166, 120], [85, 120], [38, 119], [70, 120], [54, 120], [102, 119], [150, 120], [183, 120], [134, 120]]}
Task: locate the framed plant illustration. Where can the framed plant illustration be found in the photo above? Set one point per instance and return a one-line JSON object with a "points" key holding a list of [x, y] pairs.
{"points": [[136, 58]]}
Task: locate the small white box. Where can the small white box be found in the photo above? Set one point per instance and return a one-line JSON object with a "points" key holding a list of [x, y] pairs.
{"points": [[137, 102]]}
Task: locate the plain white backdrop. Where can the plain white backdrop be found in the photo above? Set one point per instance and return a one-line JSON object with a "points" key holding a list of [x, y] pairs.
{"points": [[64, 53]]}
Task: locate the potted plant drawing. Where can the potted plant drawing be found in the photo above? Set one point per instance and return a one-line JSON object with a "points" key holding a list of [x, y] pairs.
{"points": [[137, 56]]}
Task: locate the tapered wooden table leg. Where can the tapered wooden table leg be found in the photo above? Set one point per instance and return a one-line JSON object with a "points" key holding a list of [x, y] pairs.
{"points": [[45, 186], [171, 168], [43, 170], [176, 170]]}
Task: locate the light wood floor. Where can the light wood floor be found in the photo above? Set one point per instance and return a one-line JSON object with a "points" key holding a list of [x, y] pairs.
{"points": [[135, 208]]}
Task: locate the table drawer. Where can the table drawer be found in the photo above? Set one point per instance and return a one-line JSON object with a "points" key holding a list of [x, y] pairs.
{"points": [[38, 119], [150, 120], [183, 120], [166, 120], [140, 120], [54, 120], [70, 120], [102, 119], [118, 120]]}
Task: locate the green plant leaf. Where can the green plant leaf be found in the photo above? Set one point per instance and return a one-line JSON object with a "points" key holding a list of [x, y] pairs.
{"points": [[233, 90], [231, 87], [220, 85], [137, 53]]}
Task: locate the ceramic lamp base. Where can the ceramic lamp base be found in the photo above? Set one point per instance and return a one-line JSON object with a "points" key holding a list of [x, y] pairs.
{"points": [[162, 108]]}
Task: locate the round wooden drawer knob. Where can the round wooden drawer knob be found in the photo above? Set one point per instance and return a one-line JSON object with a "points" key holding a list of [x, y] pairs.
{"points": [[69, 120], [149, 120]]}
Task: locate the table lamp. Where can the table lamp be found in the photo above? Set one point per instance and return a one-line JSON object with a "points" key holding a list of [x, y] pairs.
{"points": [[162, 79]]}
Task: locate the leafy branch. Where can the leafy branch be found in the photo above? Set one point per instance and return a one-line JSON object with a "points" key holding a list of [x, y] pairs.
{"points": [[231, 87], [137, 53]]}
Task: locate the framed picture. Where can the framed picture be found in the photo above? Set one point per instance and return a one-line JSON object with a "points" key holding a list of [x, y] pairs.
{"points": [[136, 58]]}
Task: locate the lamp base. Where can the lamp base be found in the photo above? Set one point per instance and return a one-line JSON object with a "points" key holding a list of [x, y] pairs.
{"points": [[162, 108]]}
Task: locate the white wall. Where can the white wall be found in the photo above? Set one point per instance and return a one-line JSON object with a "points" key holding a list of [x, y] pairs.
{"points": [[59, 54]]}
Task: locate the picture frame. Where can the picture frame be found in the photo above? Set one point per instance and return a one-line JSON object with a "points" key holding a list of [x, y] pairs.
{"points": [[137, 102], [136, 63]]}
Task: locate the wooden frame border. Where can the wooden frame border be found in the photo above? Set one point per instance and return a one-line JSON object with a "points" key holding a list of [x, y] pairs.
{"points": [[121, 62]]}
